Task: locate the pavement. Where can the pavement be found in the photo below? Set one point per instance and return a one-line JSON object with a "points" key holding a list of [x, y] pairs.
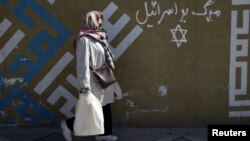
{"points": [[124, 134]]}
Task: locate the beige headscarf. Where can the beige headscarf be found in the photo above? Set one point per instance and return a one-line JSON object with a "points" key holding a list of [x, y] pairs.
{"points": [[92, 27]]}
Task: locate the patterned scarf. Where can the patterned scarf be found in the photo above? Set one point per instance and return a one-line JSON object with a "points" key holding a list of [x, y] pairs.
{"points": [[100, 36]]}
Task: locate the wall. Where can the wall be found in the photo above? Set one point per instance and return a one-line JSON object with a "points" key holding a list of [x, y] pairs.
{"points": [[178, 62]]}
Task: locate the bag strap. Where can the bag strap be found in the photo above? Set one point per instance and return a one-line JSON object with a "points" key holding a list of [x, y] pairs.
{"points": [[104, 66], [92, 57]]}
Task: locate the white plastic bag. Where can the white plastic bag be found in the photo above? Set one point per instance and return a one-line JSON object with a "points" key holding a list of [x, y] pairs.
{"points": [[88, 116]]}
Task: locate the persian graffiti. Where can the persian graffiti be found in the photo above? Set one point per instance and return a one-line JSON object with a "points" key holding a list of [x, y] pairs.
{"points": [[239, 69], [161, 13], [155, 10]]}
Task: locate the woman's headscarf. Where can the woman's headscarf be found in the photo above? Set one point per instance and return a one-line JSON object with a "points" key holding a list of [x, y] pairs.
{"points": [[92, 27]]}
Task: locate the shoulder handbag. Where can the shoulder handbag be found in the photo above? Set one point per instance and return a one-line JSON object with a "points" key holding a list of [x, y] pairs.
{"points": [[104, 76]]}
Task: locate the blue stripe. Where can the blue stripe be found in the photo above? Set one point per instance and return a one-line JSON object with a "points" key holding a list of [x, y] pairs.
{"points": [[3, 2]]}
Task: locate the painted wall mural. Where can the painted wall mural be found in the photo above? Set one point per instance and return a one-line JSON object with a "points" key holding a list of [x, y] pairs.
{"points": [[179, 62], [27, 108], [238, 81], [114, 29], [18, 98]]}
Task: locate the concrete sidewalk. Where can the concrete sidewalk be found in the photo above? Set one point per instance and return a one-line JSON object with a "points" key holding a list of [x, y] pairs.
{"points": [[124, 134]]}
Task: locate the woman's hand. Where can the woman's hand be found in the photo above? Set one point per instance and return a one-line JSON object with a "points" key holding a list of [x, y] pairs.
{"points": [[84, 90]]}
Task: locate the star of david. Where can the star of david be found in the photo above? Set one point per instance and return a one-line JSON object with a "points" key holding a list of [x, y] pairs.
{"points": [[183, 33]]}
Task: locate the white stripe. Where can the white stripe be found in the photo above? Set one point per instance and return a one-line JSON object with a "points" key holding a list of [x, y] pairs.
{"points": [[240, 2], [239, 114], [68, 106], [109, 10], [4, 26], [53, 73], [72, 80], [129, 39], [51, 1], [113, 30], [11, 44]]}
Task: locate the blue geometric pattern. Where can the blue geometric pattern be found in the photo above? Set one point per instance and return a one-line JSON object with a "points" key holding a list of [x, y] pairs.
{"points": [[3, 2], [42, 37], [33, 67], [26, 102]]}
